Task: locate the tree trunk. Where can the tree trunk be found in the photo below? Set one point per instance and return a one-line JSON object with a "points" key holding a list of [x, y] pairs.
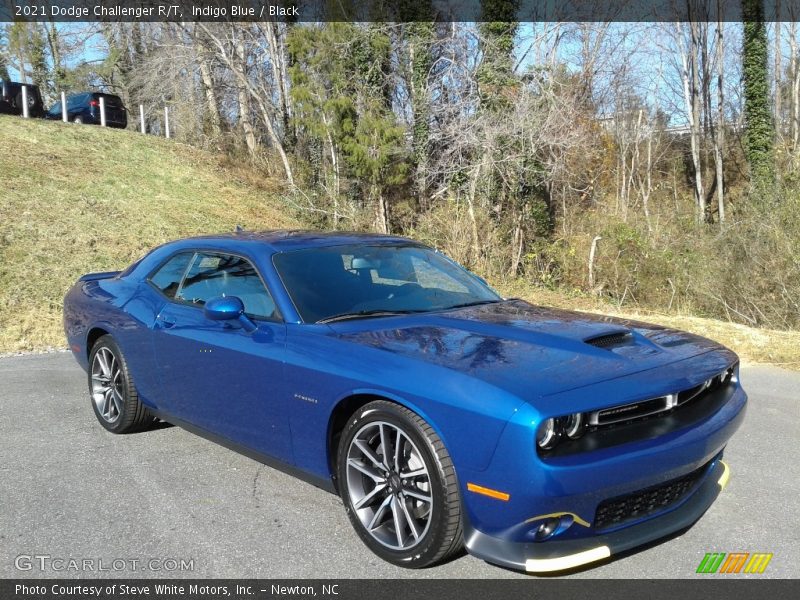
{"points": [[794, 108], [777, 75], [473, 184], [692, 105], [207, 79], [697, 146], [334, 167], [209, 91], [719, 138], [277, 55], [245, 116], [55, 54], [381, 216]]}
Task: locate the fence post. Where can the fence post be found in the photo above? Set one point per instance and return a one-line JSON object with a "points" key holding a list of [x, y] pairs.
{"points": [[141, 117], [24, 101], [166, 121], [64, 116], [102, 111]]}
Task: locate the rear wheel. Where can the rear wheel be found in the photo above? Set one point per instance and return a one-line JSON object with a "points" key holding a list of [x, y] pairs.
{"points": [[399, 486], [114, 398], [78, 120]]}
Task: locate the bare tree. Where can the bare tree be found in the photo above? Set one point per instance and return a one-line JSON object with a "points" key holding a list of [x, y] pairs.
{"points": [[229, 40], [692, 95], [719, 138]]}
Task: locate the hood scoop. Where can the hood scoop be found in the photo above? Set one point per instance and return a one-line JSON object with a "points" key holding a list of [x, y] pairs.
{"points": [[610, 340]]}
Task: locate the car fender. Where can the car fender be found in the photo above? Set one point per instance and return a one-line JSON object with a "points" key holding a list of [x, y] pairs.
{"points": [[477, 456]]}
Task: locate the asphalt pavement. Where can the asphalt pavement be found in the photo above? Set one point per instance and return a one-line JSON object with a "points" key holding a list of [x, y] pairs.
{"points": [[169, 503]]}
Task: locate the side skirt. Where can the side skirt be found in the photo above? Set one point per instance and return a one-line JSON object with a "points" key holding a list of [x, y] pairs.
{"points": [[322, 483]]}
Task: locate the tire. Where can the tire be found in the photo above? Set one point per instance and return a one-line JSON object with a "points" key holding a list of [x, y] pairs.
{"points": [[78, 120], [376, 497], [116, 406]]}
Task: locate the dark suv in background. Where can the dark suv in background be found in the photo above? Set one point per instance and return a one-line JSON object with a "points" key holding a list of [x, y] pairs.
{"points": [[85, 108], [11, 99]]}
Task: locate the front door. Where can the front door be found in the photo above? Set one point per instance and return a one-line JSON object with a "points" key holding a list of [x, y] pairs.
{"points": [[214, 374]]}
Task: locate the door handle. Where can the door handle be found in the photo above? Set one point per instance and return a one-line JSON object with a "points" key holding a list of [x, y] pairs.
{"points": [[167, 322]]}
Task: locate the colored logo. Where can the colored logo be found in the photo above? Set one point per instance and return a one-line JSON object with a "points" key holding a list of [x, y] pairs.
{"points": [[734, 562]]}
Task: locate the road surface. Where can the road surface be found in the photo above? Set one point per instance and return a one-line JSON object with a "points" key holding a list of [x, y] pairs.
{"points": [[153, 500]]}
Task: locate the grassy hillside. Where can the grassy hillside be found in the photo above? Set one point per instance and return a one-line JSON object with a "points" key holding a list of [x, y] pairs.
{"points": [[78, 199]]}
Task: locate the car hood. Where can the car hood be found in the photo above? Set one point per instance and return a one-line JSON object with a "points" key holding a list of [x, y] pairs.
{"points": [[527, 350]]}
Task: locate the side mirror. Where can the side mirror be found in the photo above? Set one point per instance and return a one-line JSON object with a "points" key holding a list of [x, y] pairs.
{"points": [[228, 308], [224, 308]]}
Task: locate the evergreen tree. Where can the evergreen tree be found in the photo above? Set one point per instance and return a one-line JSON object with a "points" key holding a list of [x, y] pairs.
{"points": [[343, 98], [495, 75], [760, 131]]}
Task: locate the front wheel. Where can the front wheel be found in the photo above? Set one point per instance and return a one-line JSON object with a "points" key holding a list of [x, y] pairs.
{"points": [[399, 486], [115, 401]]}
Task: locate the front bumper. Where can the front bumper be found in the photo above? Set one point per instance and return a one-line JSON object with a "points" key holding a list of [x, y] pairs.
{"points": [[559, 555]]}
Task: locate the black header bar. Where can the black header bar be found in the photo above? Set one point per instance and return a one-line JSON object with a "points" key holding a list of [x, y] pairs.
{"points": [[389, 10]]}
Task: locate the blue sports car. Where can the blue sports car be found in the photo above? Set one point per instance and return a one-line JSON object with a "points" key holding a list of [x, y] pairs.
{"points": [[444, 415]]}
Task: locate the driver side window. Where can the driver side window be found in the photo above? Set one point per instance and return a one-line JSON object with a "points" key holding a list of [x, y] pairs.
{"points": [[211, 274]]}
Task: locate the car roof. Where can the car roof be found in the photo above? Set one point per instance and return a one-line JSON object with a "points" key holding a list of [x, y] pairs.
{"points": [[294, 239]]}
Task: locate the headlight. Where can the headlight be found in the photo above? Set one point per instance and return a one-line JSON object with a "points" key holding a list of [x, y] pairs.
{"points": [[551, 431], [573, 425], [546, 435]]}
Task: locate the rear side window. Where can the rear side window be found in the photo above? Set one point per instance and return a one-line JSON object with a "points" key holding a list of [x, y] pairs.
{"points": [[78, 101], [213, 275], [168, 277], [110, 100]]}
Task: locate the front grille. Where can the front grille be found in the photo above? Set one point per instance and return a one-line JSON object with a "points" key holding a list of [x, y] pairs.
{"points": [[626, 413], [629, 412], [646, 502]]}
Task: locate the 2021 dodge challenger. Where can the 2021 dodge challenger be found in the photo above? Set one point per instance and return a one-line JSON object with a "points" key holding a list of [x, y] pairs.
{"points": [[443, 414]]}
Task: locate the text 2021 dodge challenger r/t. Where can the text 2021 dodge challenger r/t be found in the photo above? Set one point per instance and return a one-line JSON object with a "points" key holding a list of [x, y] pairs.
{"points": [[443, 414]]}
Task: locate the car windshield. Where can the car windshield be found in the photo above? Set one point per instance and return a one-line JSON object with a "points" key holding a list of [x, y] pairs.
{"points": [[353, 281]]}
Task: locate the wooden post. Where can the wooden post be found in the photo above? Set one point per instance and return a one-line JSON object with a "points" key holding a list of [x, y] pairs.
{"points": [[64, 116], [102, 111], [166, 121], [592, 250], [141, 117]]}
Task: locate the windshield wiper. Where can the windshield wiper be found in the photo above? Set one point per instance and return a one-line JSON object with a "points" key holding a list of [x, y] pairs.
{"points": [[363, 314]]}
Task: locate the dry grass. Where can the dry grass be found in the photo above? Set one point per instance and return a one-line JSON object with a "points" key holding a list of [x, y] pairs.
{"points": [[753, 345], [80, 199]]}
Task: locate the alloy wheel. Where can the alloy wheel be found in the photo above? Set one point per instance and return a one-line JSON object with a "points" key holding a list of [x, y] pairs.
{"points": [[389, 485], [107, 382]]}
